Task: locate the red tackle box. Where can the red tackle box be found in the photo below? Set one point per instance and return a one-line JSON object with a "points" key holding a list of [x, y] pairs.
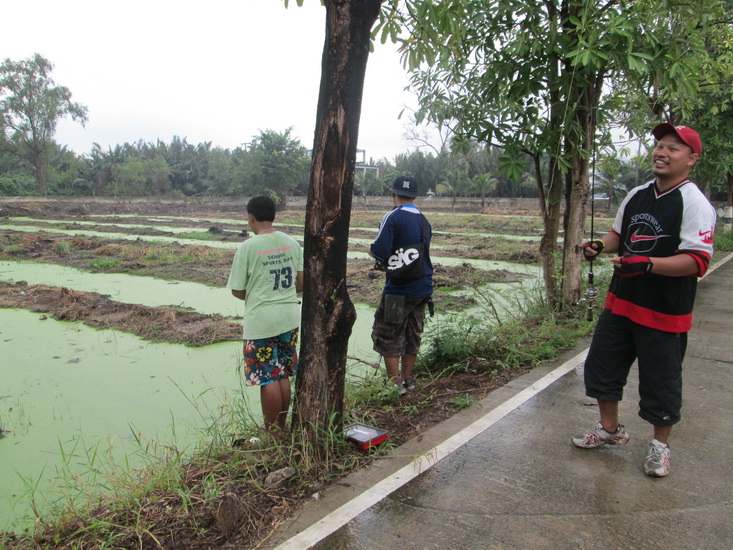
{"points": [[364, 436]]}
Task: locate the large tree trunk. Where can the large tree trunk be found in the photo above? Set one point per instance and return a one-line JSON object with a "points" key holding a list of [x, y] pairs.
{"points": [[328, 314]]}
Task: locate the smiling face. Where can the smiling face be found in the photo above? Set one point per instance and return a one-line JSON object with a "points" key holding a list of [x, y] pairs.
{"points": [[672, 160]]}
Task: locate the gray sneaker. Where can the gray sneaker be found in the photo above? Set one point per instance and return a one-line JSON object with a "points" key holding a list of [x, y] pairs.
{"points": [[392, 390], [598, 436], [657, 459], [409, 383]]}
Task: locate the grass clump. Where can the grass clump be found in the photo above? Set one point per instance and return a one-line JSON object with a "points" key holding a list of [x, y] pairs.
{"points": [[724, 240], [62, 247], [461, 402], [103, 264], [508, 330]]}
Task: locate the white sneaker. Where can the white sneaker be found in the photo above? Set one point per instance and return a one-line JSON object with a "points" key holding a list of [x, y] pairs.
{"points": [[657, 459], [598, 436]]}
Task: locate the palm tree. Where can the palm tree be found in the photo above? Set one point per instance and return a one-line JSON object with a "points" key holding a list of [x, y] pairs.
{"points": [[482, 185], [367, 182], [454, 183]]}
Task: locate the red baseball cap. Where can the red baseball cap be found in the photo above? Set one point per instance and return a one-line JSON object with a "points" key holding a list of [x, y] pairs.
{"points": [[685, 133]]}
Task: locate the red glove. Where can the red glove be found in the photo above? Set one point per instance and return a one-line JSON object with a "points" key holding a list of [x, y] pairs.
{"points": [[597, 245], [633, 266]]}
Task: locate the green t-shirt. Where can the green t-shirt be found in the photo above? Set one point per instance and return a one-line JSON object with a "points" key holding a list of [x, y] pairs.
{"points": [[266, 266]]}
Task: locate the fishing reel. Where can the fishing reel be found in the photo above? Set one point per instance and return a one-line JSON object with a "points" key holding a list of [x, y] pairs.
{"points": [[591, 293]]}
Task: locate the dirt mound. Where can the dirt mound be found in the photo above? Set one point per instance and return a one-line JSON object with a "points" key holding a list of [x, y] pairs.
{"points": [[156, 324]]}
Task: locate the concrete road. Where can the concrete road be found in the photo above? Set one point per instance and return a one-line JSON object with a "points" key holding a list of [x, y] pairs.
{"points": [[505, 475]]}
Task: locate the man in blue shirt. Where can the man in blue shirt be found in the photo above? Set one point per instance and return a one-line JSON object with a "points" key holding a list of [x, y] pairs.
{"points": [[400, 317]]}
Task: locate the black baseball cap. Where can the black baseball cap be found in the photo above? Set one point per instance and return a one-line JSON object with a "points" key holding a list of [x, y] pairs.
{"points": [[405, 186]]}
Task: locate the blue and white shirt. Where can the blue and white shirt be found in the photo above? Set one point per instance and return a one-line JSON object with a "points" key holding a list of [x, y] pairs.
{"points": [[402, 227]]}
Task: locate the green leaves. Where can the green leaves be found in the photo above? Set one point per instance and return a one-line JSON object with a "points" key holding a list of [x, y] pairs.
{"points": [[30, 107]]}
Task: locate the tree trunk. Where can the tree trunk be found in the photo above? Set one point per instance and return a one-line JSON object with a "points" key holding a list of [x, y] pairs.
{"points": [[550, 198], [282, 199], [580, 146], [730, 189], [574, 224], [39, 163], [328, 314], [550, 207]]}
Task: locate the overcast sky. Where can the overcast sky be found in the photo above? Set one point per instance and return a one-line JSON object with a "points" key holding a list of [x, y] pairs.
{"points": [[218, 71]]}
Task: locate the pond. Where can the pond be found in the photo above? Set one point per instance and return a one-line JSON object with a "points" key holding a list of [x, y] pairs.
{"points": [[67, 388], [69, 391]]}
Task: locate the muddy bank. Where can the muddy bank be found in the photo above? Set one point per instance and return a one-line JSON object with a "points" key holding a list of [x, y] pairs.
{"points": [[210, 266], [156, 324]]}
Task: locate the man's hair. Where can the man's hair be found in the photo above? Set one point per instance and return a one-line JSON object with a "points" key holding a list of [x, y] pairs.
{"points": [[262, 208]]}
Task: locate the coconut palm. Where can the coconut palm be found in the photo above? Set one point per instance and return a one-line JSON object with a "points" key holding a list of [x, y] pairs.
{"points": [[482, 185]]}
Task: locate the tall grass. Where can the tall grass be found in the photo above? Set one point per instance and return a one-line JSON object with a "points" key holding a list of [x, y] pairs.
{"points": [[509, 328]]}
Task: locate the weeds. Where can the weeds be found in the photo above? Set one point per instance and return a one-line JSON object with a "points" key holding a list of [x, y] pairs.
{"points": [[724, 240], [103, 264], [62, 247], [461, 402], [509, 329]]}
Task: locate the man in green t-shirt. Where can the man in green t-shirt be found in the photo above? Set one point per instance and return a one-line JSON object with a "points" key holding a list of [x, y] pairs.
{"points": [[267, 273]]}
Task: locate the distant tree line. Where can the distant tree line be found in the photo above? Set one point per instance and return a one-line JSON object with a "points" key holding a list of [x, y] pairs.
{"points": [[274, 163]]}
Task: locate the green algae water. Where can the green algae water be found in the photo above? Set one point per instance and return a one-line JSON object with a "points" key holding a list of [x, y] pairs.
{"points": [[131, 289], [67, 390], [71, 395]]}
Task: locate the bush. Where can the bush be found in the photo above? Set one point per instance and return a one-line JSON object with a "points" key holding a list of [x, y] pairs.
{"points": [[724, 241]]}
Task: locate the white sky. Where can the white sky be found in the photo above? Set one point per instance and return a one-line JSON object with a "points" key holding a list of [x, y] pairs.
{"points": [[216, 70]]}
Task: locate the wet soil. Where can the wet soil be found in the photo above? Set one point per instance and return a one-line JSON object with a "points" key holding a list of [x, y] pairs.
{"points": [[454, 245], [195, 263]]}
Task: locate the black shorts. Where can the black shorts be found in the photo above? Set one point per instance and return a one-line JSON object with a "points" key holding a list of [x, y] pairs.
{"points": [[397, 339], [617, 343]]}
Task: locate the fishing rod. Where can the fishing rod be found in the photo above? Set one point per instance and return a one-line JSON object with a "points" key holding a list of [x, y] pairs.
{"points": [[591, 292]]}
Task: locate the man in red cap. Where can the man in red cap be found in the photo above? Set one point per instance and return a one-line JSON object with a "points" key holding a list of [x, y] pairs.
{"points": [[662, 238]]}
